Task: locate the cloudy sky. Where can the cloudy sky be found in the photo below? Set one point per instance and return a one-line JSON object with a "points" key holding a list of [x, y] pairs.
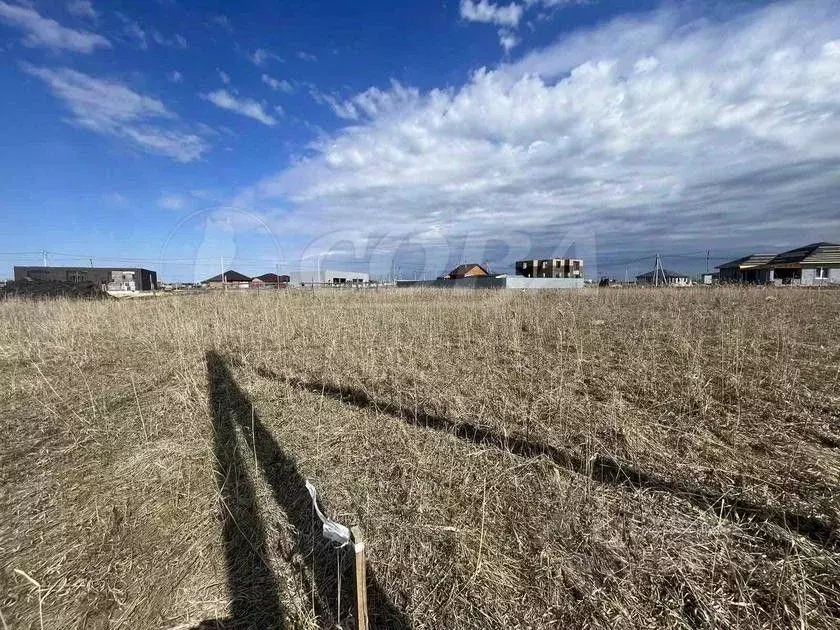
{"points": [[412, 136]]}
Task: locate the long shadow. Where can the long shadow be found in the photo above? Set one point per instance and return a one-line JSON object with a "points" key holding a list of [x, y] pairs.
{"points": [[252, 586], [602, 468], [317, 556]]}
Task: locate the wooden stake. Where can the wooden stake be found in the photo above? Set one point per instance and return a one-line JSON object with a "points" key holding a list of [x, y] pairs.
{"points": [[361, 578]]}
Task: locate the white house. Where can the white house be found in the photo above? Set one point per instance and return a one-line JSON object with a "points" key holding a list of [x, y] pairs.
{"points": [[666, 277], [328, 277]]}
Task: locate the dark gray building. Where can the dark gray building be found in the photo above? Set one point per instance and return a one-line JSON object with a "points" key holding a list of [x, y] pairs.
{"points": [[746, 269], [109, 278]]}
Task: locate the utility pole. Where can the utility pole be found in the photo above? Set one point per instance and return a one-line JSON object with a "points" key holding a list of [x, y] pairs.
{"points": [[657, 270], [707, 260], [277, 274], [222, 270]]}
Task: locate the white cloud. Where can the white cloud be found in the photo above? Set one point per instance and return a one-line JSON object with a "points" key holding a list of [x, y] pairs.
{"points": [[649, 129], [508, 40], [180, 146], [555, 3], [112, 109], [172, 202], [508, 17], [43, 32], [83, 8], [240, 105], [133, 31], [224, 76], [221, 21], [177, 40], [278, 85], [489, 13], [342, 109], [114, 199], [305, 56], [140, 36], [261, 55], [373, 102], [97, 100], [175, 76]]}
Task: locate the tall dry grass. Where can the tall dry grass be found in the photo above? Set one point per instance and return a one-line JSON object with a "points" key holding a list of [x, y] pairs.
{"points": [[613, 458]]}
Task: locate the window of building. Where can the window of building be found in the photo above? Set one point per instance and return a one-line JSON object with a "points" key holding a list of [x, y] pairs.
{"points": [[821, 273]]}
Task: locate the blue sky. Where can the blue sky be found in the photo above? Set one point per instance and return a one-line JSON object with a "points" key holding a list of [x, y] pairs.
{"points": [[259, 135]]}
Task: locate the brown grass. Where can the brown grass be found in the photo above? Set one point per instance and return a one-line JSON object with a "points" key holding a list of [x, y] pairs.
{"points": [[611, 459]]}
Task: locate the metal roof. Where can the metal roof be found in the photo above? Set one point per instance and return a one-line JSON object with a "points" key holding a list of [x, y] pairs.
{"points": [[230, 276], [813, 254], [825, 254], [461, 270], [746, 262], [272, 277]]}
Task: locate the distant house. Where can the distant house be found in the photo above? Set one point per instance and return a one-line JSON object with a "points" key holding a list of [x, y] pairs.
{"points": [[550, 268], [228, 278], [273, 279], [745, 269], [468, 270], [671, 278], [810, 265]]}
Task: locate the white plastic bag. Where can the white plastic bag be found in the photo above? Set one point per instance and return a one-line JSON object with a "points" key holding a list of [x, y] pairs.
{"points": [[334, 531]]}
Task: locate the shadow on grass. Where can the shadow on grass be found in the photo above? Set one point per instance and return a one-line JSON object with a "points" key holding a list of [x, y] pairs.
{"points": [[602, 468], [252, 585]]}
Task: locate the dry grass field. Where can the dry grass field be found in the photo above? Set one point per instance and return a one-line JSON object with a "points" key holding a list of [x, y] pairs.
{"points": [[600, 459]]}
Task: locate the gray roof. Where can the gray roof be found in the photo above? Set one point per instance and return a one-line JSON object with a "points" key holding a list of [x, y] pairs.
{"points": [[745, 262], [825, 254], [813, 254], [668, 274], [230, 276], [272, 277]]}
